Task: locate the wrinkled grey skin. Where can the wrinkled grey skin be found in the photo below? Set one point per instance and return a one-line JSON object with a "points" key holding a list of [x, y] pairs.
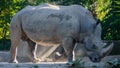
{"points": [[49, 25]]}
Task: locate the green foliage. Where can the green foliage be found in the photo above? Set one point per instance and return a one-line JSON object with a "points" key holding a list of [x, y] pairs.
{"points": [[109, 13]]}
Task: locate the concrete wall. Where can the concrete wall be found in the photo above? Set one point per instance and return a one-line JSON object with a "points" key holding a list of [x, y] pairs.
{"points": [[31, 65]]}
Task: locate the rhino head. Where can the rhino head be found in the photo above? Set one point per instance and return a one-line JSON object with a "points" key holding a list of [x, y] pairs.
{"points": [[95, 47], [97, 53]]}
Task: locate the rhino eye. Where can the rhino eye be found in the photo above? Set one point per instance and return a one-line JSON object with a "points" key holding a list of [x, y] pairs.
{"points": [[94, 46]]}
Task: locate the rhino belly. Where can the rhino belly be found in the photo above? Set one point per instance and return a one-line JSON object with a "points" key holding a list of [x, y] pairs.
{"points": [[42, 37]]}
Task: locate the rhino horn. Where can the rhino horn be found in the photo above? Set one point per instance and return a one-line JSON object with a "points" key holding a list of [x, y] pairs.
{"points": [[106, 50]]}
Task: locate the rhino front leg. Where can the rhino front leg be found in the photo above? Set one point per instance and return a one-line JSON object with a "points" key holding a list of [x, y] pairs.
{"points": [[32, 51], [68, 45]]}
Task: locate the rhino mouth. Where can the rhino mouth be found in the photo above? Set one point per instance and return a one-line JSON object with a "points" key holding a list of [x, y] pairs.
{"points": [[94, 58]]}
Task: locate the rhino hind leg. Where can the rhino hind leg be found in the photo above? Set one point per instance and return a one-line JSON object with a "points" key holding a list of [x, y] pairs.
{"points": [[32, 51], [15, 36], [68, 45]]}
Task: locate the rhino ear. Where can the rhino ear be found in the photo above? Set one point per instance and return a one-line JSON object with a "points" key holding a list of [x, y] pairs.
{"points": [[98, 21]]}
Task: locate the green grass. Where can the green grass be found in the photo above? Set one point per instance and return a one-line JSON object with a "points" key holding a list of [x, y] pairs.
{"points": [[114, 63], [78, 64]]}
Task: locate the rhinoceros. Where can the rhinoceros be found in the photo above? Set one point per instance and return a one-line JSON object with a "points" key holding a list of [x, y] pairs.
{"points": [[49, 25]]}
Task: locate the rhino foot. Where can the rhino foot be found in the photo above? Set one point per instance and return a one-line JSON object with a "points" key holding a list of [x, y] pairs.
{"points": [[36, 61], [13, 61]]}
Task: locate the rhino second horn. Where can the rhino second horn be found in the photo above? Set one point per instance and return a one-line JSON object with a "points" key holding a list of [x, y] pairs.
{"points": [[105, 51]]}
